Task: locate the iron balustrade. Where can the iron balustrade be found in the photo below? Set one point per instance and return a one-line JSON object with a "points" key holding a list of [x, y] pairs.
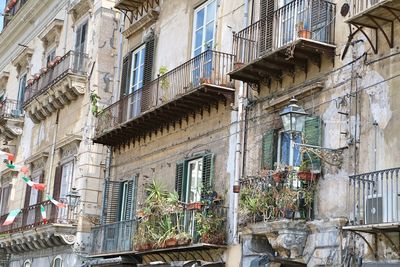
{"points": [[310, 19], [30, 217], [209, 68], [10, 109], [71, 63], [358, 6], [113, 238], [376, 197]]}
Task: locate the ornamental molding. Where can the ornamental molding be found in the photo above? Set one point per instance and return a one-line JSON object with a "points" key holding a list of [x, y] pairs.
{"points": [[52, 33], [78, 8], [142, 23], [23, 60], [38, 161]]}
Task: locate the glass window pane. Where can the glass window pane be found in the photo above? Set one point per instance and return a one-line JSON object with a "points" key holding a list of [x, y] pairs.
{"points": [[200, 18], [296, 151], [136, 60], [285, 148], [209, 32], [211, 11], [143, 53], [198, 38]]}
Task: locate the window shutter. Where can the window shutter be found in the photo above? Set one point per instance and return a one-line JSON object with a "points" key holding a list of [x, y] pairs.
{"points": [[269, 149], [208, 172], [112, 199], [40, 192], [148, 61], [312, 136], [319, 20], [179, 176], [267, 19], [57, 183], [131, 199], [126, 66]]}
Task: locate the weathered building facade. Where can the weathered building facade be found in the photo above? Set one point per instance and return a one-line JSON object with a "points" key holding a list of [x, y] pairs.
{"points": [[55, 59]]}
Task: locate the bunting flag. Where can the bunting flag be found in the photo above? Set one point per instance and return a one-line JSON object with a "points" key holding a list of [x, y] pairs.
{"points": [[7, 156], [43, 212], [34, 185], [55, 202], [11, 217]]}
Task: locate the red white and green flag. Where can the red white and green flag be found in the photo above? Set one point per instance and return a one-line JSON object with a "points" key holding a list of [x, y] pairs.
{"points": [[55, 202], [43, 212], [11, 217], [34, 185]]}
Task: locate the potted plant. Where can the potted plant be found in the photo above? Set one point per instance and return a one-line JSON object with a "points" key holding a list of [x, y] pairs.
{"points": [[210, 228], [280, 173], [30, 82], [183, 239], [302, 30], [305, 173], [194, 206]]}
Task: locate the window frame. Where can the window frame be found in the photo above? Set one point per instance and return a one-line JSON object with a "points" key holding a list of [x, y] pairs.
{"points": [[204, 26], [21, 89], [291, 151], [58, 258], [79, 27], [26, 262], [141, 51], [188, 179]]}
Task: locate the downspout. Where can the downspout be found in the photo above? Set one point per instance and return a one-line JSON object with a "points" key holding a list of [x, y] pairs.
{"points": [[53, 152], [119, 61], [238, 146]]}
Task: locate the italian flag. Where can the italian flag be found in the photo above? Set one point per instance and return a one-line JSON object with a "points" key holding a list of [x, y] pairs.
{"points": [[43, 212], [7, 156], [34, 185], [11, 217], [55, 202]]}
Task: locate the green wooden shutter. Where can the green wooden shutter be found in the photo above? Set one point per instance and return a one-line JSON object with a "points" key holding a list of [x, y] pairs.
{"points": [[208, 172], [312, 136], [179, 177], [131, 199], [269, 149], [112, 199], [148, 61], [125, 75]]}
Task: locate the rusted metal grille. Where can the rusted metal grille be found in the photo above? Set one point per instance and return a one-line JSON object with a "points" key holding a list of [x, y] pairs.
{"points": [[376, 197], [315, 17], [30, 217], [70, 63], [209, 68]]}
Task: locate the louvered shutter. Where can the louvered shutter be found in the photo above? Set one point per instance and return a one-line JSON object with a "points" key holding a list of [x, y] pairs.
{"points": [[40, 193], [125, 75], [179, 177], [57, 182], [26, 203], [112, 199], [312, 136], [269, 149], [148, 96], [207, 173], [319, 20], [1, 202], [266, 26], [130, 196]]}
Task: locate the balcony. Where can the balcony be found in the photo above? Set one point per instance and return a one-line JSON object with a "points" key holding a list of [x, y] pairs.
{"points": [[190, 88], [11, 12], [113, 238], [29, 232], [137, 7], [302, 32], [376, 201], [67, 81], [377, 15], [11, 119]]}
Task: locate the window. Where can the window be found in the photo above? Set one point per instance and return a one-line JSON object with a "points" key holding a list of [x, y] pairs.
{"points": [[33, 199], [57, 262], [204, 27], [136, 80], [50, 56], [65, 187], [21, 91], [80, 46], [194, 177], [5, 194], [278, 148]]}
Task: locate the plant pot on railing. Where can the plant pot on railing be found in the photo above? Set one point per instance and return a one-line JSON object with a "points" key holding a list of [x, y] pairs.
{"points": [[304, 34], [306, 176], [36, 76], [278, 176], [43, 70], [238, 65], [171, 242], [57, 60], [194, 206], [30, 82]]}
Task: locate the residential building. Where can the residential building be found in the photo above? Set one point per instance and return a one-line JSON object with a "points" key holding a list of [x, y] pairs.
{"points": [[55, 58]]}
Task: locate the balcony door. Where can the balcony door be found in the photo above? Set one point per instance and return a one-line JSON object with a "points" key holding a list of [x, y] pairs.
{"points": [[204, 26], [136, 81], [33, 199], [194, 186], [21, 94], [80, 47], [65, 187]]}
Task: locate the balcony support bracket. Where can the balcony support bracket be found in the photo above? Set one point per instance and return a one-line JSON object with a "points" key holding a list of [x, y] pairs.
{"points": [[351, 37]]}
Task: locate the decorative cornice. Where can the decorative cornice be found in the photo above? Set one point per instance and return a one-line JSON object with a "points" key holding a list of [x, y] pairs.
{"points": [[23, 59], [36, 157], [142, 23], [52, 33], [80, 7]]}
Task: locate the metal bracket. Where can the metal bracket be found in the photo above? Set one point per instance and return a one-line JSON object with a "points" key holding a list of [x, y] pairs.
{"points": [[331, 156]]}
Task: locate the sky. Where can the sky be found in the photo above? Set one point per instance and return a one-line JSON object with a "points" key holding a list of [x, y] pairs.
{"points": [[2, 5]]}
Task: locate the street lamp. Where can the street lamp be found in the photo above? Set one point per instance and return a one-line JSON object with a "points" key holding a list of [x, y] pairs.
{"points": [[293, 117], [73, 198]]}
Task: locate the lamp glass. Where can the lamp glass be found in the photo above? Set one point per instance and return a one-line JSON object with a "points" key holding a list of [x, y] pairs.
{"points": [[293, 117], [73, 197]]}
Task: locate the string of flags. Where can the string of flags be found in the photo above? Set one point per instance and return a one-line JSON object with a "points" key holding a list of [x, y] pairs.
{"points": [[37, 186]]}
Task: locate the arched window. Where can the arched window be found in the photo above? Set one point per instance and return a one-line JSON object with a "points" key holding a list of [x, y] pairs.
{"points": [[27, 263], [57, 262]]}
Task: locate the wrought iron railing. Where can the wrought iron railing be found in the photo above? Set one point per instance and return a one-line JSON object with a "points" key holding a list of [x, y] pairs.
{"points": [[10, 109], [376, 197], [70, 63], [210, 67], [358, 6], [113, 238], [276, 195], [310, 19], [31, 217]]}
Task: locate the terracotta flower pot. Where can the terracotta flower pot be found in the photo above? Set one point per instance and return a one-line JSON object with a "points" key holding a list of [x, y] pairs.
{"points": [[36, 76], [236, 189], [306, 176], [277, 176], [138, 247], [30, 82], [57, 60], [238, 65], [43, 70], [184, 241], [304, 34], [171, 242], [194, 206]]}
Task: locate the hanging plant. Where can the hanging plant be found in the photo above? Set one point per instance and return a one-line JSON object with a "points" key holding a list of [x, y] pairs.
{"points": [[94, 102]]}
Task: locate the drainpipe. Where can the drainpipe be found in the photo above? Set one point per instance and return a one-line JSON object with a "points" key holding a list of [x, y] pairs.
{"points": [[107, 174], [119, 61], [239, 143], [53, 152]]}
